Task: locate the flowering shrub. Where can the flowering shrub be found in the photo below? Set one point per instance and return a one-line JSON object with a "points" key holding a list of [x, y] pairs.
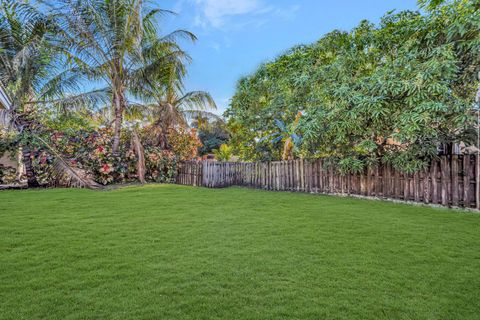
{"points": [[184, 144], [161, 165], [91, 151], [8, 175], [41, 161]]}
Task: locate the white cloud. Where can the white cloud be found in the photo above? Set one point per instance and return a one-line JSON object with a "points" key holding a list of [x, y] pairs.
{"points": [[216, 13], [286, 13]]}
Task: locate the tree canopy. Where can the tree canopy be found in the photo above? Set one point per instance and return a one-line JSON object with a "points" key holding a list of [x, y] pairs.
{"points": [[393, 92], [52, 56]]}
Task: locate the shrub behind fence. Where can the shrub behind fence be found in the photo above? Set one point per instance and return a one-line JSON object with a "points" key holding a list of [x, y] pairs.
{"points": [[448, 181]]}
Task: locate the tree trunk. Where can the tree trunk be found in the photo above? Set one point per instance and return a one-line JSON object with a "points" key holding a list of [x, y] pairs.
{"points": [[20, 166], [32, 181], [118, 102], [139, 152], [287, 153]]}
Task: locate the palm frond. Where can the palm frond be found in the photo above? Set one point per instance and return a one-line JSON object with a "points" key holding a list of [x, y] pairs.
{"points": [[149, 20], [195, 114], [62, 83], [63, 174], [76, 101], [167, 116], [179, 34], [135, 111], [199, 100]]}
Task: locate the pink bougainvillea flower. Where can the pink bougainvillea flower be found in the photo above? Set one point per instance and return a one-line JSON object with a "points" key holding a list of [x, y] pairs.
{"points": [[106, 168]]}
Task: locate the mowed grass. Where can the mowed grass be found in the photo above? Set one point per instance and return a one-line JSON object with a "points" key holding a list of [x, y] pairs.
{"points": [[173, 252]]}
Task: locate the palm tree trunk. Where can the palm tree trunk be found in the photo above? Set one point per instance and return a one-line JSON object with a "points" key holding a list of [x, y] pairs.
{"points": [[20, 166], [119, 105], [139, 152], [32, 181]]}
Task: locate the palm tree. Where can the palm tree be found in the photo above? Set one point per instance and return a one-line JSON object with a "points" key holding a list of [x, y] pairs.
{"points": [[115, 42], [33, 72], [168, 106]]}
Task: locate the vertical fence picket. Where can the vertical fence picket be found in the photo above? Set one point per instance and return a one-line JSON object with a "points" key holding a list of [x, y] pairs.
{"points": [[368, 191], [384, 181], [477, 181], [416, 190], [444, 181], [466, 181], [455, 182], [426, 186], [449, 180], [434, 177]]}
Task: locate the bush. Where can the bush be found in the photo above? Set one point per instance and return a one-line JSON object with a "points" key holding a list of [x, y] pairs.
{"points": [[92, 152], [8, 175], [224, 153]]}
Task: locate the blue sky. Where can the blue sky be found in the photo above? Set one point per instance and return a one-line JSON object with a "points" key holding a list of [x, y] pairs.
{"points": [[235, 36]]}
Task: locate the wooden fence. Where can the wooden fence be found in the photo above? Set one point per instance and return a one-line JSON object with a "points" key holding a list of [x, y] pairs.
{"points": [[449, 181]]}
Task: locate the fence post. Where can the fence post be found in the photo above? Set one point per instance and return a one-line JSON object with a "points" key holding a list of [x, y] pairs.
{"points": [[448, 180], [466, 181], [426, 186], [455, 182], [445, 176], [477, 181]]}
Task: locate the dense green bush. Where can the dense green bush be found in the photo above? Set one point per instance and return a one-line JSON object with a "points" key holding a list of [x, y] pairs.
{"points": [[7, 175], [90, 150], [391, 92], [212, 134]]}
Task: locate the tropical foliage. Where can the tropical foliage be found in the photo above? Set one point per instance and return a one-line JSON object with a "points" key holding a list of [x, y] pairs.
{"points": [[90, 82], [212, 134], [116, 42], [223, 153], [34, 73], [168, 106], [392, 92], [91, 151]]}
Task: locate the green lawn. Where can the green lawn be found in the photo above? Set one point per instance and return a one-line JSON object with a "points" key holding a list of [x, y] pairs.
{"points": [[173, 252]]}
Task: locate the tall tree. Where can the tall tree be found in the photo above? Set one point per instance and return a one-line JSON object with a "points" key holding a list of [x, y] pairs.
{"points": [[113, 42], [34, 72], [167, 105], [391, 92]]}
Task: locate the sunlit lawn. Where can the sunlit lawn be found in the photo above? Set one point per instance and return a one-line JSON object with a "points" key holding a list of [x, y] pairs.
{"points": [[172, 252]]}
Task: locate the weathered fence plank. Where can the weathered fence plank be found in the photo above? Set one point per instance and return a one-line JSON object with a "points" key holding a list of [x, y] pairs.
{"points": [[434, 173], [477, 181], [466, 181], [455, 183], [449, 180]]}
